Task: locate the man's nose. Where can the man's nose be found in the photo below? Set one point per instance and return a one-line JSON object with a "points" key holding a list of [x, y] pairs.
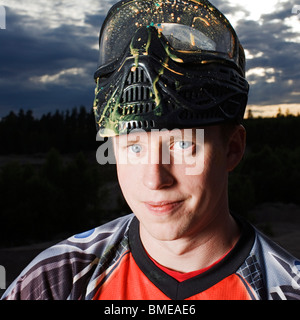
{"points": [[157, 176]]}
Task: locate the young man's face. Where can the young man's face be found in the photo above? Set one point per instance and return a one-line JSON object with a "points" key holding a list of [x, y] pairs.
{"points": [[174, 181]]}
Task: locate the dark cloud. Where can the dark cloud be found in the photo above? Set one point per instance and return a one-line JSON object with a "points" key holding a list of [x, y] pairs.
{"points": [[273, 46], [282, 10], [94, 20], [274, 40], [27, 53], [227, 8]]}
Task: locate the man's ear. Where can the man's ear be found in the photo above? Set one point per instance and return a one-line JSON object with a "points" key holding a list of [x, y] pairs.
{"points": [[236, 147]]}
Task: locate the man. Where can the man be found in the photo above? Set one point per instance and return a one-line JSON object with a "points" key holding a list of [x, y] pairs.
{"points": [[171, 93]]}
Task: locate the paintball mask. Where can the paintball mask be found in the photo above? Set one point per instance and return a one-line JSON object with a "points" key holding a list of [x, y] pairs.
{"points": [[168, 64]]}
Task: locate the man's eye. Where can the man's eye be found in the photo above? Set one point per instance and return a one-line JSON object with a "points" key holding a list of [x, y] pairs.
{"points": [[180, 145], [136, 148]]}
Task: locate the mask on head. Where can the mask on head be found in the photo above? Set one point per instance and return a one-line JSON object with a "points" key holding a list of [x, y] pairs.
{"points": [[168, 64]]}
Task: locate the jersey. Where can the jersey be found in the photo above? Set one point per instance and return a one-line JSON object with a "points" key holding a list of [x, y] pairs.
{"points": [[110, 263]]}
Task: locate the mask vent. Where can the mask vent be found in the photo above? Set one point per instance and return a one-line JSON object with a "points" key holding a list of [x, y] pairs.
{"points": [[131, 125], [137, 94]]}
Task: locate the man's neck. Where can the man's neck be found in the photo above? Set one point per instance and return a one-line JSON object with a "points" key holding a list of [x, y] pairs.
{"points": [[196, 251]]}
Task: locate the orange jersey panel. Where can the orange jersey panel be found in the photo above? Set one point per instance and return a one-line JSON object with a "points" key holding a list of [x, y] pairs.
{"points": [[128, 282], [230, 288]]}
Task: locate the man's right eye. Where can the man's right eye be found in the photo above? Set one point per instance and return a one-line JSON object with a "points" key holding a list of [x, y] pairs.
{"points": [[135, 148]]}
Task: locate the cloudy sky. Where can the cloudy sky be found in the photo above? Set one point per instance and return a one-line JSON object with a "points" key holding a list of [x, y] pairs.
{"points": [[48, 52]]}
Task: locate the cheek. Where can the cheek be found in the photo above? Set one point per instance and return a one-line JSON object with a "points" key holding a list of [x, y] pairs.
{"points": [[128, 178], [214, 173], [215, 158], [123, 176]]}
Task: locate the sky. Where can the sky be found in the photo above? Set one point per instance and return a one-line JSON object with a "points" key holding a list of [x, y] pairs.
{"points": [[49, 53]]}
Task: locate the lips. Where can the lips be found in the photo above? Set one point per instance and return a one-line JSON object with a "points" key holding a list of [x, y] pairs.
{"points": [[162, 206]]}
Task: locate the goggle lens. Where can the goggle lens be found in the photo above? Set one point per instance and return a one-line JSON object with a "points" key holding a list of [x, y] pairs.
{"points": [[188, 25]]}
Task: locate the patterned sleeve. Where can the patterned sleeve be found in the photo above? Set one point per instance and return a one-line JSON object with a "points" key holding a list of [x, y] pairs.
{"points": [[63, 271]]}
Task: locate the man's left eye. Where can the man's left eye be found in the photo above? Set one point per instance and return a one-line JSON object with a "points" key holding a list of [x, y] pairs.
{"points": [[182, 145]]}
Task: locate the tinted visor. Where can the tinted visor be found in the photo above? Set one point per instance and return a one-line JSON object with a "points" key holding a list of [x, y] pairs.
{"points": [[189, 26]]}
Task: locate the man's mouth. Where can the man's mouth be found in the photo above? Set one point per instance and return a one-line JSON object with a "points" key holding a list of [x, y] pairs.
{"points": [[160, 207]]}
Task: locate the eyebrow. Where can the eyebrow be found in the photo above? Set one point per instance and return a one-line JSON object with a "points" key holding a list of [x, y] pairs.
{"points": [[126, 141], [131, 139]]}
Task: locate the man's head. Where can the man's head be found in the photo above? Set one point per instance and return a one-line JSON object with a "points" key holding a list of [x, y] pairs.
{"points": [[171, 92]]}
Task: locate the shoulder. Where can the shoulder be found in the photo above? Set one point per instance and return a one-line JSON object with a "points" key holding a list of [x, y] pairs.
{"points": [[96, 240], [55, 272], [271, 271], [281, 269]]}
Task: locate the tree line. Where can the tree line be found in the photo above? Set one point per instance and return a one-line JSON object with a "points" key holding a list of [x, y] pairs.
{"points": [[66, 131], [75, 130]]}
